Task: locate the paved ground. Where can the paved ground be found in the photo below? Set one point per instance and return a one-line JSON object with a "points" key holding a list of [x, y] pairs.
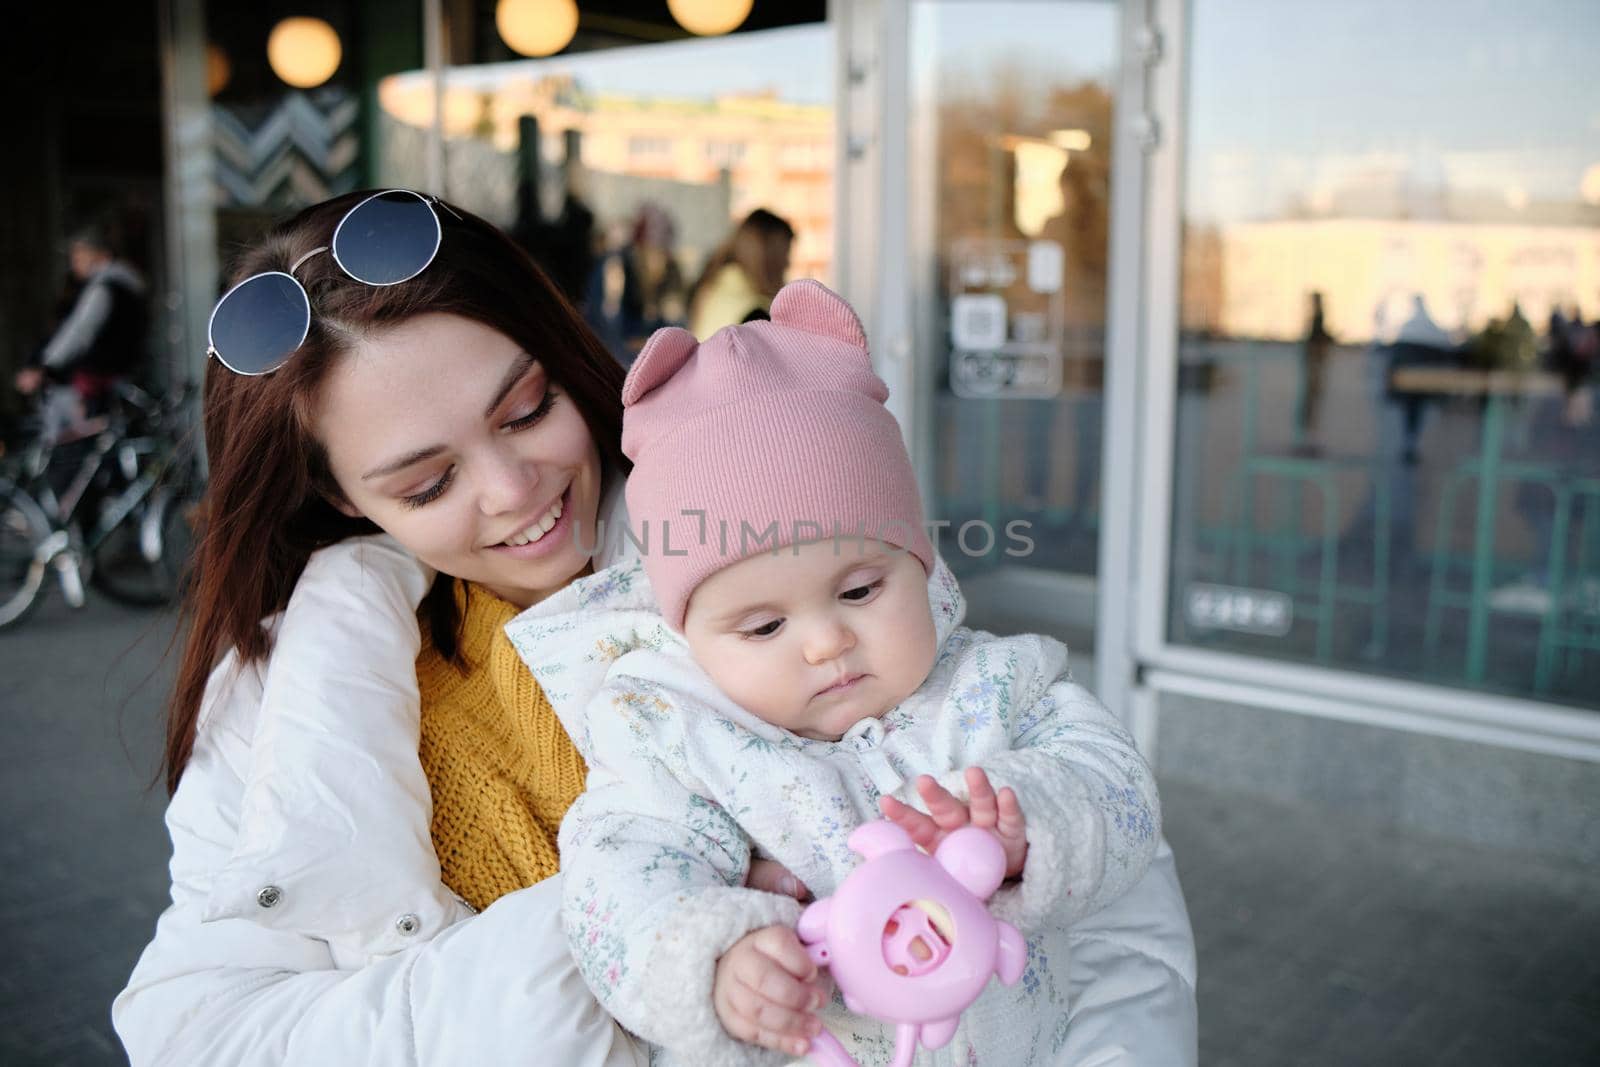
{"points": [[83, 851], [1321, 942], [1328, 943]]}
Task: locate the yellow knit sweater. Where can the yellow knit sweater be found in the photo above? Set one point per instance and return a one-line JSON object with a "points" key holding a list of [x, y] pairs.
{"points": [[502, 770]]}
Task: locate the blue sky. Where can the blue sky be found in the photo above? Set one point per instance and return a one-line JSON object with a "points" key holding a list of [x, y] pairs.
{"points": [[1475, 93]]}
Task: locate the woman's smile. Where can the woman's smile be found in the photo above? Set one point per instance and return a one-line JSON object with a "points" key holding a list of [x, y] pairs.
{"points": [[543, 534]]}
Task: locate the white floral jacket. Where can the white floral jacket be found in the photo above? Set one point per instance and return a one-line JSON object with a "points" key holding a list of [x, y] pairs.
{"points": [[684, 786]]}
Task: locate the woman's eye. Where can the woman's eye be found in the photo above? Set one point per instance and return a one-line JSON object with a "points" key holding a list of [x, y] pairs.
{"points": [[416, 500], [764, 630], [861, 592], [522, 422]]}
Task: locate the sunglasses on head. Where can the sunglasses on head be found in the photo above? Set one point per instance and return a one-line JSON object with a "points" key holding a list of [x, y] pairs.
{"points": [[388, 238]]}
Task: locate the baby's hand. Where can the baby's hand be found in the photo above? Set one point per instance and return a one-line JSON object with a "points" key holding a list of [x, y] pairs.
{"points": [[766, 990], [770, 876], [1002, 814]]}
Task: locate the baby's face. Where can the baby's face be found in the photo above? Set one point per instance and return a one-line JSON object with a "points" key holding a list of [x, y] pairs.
{"points": [[818, 636]]}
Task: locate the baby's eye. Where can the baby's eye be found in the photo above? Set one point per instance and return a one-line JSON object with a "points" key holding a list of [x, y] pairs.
{"points": [[764, 630], [861, 592]]}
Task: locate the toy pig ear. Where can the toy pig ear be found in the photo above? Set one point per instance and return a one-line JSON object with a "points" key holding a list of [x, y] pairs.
{"points": [[974, 857], [872, 839], [811, 306], [668, 349]]}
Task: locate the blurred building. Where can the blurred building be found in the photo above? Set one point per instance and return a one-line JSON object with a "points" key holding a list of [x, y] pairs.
{"points": [[1273, 324], [768, 152]]}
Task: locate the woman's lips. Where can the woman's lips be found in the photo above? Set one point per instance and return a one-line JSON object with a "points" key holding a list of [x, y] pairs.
{"points": [[552, 538]]}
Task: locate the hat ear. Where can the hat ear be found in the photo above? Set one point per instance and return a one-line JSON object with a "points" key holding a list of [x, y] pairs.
{"points": [[811, 306], [668, 349]]}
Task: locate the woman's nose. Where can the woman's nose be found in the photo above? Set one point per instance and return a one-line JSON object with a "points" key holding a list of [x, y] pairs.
{"points": [[827, 640], [508, 486]]}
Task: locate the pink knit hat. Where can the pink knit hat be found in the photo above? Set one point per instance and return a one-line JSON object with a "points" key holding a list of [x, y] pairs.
{"points": [[776, 431]]}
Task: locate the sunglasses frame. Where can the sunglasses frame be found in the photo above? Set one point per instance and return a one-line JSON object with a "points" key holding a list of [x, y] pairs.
{"points": [[432, 203]]}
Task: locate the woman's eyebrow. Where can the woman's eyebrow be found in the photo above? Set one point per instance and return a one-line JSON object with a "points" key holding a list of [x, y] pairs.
{"points": [[403, 462], [514, 374]]}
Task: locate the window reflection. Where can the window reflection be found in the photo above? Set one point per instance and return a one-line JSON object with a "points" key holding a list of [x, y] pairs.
{"points": [[625, 171], [1015, 101], [1390, 281]]}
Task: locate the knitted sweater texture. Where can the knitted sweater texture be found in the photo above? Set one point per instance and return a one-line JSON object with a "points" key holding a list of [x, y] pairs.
{"points": [[501, 768]]}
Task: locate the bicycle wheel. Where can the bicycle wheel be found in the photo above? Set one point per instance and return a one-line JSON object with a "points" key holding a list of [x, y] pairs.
{"points": [[23, 528], [142, 560]]}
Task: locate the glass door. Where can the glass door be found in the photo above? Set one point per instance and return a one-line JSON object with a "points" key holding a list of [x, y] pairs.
{"points": [[1385, 446], [1009, 172]]}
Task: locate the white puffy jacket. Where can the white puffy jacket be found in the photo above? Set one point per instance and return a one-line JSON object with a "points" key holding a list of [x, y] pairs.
{"points": [[308, 923]]}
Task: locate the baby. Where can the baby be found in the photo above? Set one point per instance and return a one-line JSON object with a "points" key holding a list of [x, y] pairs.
{"points": [[782, 662]]}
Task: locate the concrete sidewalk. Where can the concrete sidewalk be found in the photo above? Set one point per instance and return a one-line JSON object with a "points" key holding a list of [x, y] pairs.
{"points": [[1322, 942], [1331, 943]]}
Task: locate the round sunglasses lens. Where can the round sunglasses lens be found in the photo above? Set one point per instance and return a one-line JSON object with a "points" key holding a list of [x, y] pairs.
{"points": [[260, 323], [387, 239]]}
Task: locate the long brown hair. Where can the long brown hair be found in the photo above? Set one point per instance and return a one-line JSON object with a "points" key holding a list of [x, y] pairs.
{"points": [[267, 506], [754, 246]]}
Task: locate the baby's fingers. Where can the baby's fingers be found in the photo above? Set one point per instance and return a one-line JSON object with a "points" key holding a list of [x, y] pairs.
{"points": [[782, 946], [982, 799], [923, 833], [756, 1019], [948, 813], [1009, 821], [770, 876]]}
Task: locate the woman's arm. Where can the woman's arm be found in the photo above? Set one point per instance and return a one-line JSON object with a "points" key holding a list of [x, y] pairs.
{"points": [[1131, 977], [308, 922], [334, 779], [496, 988]]}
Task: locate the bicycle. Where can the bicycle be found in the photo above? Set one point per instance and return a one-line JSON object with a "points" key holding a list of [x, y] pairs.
{"points": [[113, 508]]}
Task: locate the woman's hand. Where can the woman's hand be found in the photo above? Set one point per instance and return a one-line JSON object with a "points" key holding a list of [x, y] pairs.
{"points": [[1000, 813], [770, 876], [767, 991]]}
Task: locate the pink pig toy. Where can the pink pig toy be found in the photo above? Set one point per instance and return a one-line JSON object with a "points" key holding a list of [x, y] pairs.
{"points": [[908, 937]]}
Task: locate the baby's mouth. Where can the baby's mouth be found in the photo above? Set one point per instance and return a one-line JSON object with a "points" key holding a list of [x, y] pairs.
{"points": [[841, 685]]}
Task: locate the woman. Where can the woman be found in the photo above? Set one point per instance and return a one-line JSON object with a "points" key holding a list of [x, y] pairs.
{"points": [[317, 916], [325, 879], [743, 275]]}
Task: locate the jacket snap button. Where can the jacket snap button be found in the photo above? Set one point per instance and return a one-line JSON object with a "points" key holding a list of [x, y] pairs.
{"points": [[408, 924], [269, 896]]}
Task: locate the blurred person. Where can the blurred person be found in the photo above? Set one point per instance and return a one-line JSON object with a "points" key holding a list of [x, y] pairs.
{"points": [[101, 340], [636, 286], [1317, 343], [1420, 342], [1559, 432], [743, 275], [1519, 346], [1401, 417], [654, 292], [603, 307]]}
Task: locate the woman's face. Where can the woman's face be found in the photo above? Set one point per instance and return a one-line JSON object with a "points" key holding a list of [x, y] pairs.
{"points": [[452, 439]]}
